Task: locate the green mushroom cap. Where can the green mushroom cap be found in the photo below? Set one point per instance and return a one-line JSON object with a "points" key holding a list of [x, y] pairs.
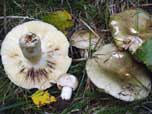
{"points": [[131, 28]]}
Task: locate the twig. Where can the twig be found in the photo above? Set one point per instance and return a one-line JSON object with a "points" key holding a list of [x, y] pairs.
{"points": [[90, 28], [4, 13], [145, 5], [92, 32], [105, 30], [16, 17], [17, 4], [78, 60], [69, 6]]}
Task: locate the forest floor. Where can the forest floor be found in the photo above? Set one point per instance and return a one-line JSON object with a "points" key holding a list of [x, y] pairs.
{"points": [[87, 99]]}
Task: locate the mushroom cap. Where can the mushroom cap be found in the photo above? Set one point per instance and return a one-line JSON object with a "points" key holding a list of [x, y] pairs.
{"points": [[83, 39], [67, 80], [138, 28], [53, 63], [122, 78]]}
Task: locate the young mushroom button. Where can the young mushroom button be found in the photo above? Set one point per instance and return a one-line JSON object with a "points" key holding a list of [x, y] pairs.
{"points": [[67, 83]]}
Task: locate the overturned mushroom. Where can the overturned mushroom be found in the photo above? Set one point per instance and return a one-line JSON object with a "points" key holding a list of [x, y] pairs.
{"points": [[117, 74], [35, 55], [131, 28], [67, 83]]}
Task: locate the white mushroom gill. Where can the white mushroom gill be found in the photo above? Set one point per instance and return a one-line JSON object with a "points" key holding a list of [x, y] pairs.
{"points": [[132, 30], [116, 27], [37, 55]]}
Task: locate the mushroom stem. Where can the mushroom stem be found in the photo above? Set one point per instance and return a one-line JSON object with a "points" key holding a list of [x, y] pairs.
{"points": [[66, 93], [30, 45]]}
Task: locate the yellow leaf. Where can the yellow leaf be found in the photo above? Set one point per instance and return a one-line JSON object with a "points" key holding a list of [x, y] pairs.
{"points": [[61, 19], [41, 98]]}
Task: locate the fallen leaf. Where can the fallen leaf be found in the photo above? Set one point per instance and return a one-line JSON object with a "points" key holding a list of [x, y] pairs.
{"points": [[60, 19], [41, 98]]}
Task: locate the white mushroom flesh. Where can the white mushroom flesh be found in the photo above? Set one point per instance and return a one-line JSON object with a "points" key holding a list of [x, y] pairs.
{"points": [[66, 93], [67, 83]]}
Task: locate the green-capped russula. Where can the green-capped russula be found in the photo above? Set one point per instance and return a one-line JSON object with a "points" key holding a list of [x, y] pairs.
{"points": [[131, 28], [35, 55], [117, 74]]}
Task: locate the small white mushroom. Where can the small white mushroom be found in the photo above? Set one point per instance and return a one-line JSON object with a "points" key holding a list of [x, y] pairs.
{"points": [[67, 83]]}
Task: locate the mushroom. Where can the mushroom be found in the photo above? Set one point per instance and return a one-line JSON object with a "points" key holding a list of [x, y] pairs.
{"points": [[80, 39], [131, 28], [67, 83], [134, 36], [35, 54], [117, 74], [85, 40]]}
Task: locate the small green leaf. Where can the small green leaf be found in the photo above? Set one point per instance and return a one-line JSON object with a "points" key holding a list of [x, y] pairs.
{"points": [[60, 19]]}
